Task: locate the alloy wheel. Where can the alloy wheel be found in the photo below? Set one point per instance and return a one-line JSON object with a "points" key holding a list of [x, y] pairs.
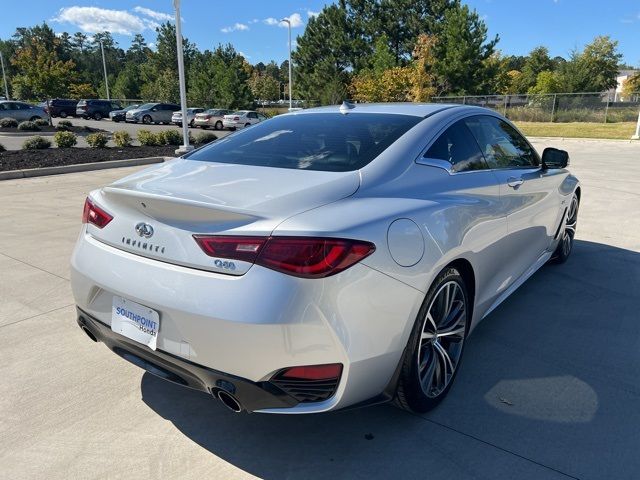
{"points": [[442, 338], [570, 227]]}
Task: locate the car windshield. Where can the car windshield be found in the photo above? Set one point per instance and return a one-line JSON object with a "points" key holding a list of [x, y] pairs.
{"points": [[131, 107], [330, 142], [147, 106]]}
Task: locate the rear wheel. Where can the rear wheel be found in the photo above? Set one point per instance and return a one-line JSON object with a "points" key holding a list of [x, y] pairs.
{"points": [[97, 116], [63, 114], [247, 125], [435, 347], [146, 119], [191, 124], [565, 247], [218, 125]]}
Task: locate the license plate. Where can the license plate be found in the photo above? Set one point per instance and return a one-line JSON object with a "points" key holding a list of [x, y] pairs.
{"points": [[135, 321]]}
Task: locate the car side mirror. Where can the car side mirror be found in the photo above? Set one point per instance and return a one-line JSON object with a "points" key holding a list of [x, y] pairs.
{"points": [[554, 158], [154, 109]]}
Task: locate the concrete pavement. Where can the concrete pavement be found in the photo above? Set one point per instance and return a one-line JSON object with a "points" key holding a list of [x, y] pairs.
{"points": [[549, 387]]}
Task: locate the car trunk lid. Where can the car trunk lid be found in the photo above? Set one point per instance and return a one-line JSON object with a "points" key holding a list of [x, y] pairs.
{"points": [[186, 197]]}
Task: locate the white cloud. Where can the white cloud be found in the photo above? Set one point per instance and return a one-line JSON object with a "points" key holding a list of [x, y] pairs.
{"points": [[153, 14], [94, 19], [255, 20], [312, 14], [234, 27], [294, 18]]}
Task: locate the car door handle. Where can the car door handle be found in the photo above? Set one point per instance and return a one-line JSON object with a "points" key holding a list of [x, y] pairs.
{"points": [[514, 182]]}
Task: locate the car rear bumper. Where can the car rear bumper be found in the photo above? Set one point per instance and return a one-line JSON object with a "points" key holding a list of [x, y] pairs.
{"points": [[250, 395], [252, 326]]}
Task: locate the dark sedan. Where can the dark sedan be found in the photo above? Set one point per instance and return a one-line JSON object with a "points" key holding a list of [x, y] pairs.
{"points": [[120, 115]]}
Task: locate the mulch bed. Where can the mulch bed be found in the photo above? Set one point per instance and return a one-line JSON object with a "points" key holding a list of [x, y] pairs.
{"points": [[53, 157]]}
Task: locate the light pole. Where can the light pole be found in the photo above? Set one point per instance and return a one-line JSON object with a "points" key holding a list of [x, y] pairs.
{"points": [[183, 90], [290, 79], [4, 77], [104, 66]]}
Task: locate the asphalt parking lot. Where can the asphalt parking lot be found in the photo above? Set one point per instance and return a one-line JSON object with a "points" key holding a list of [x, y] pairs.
{"points": [[15, 142], [549, 387]]}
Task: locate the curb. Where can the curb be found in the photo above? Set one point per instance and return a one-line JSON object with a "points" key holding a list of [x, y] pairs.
{"points": [[83, 167]]}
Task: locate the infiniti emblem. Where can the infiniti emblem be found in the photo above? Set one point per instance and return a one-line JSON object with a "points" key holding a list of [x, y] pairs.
{"points": [[144, 230]]}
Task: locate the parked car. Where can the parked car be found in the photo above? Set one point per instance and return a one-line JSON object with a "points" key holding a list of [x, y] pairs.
{"points": [[242, 119], [61, 107], [21, 111], [120, 115], [96, 109], [152, 113], [176, 118], [211, 118], [325, 258]]}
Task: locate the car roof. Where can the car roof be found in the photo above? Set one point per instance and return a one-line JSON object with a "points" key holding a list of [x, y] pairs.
{"points": [[406, 108]]}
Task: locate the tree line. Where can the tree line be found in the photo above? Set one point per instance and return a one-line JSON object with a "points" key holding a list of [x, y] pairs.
{"points": [[366, 50]]}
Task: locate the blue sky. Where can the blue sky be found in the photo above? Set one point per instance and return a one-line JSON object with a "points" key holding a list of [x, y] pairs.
{"points": [[251, 26]]}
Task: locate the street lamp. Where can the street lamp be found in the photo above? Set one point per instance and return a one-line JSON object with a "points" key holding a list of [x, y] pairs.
{"points": [[4, 77], [183, 90], [290, 79], [104, 66]]}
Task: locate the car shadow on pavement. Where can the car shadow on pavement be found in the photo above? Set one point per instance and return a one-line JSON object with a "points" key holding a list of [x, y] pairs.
{"points": [[549, 386]]}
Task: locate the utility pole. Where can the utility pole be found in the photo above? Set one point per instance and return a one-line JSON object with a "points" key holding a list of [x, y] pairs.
{"points": [[290, 78], [4, 76], [104, 66], [186, 147]]}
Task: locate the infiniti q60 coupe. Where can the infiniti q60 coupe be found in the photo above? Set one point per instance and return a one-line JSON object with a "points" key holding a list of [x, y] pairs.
{"points": [[325, 258]]}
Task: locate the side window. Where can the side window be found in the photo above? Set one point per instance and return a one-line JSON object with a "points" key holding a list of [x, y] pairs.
{"points": [[501, 144], [458, 147], [252, 115]]}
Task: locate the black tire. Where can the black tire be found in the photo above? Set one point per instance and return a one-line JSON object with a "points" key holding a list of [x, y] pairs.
{"points": [[63, 114], [411, 394], [147, 120], [219, 125], [246, 125], [204, 127], [565, 246], [116, 120], [191, 124], [97, 116]]}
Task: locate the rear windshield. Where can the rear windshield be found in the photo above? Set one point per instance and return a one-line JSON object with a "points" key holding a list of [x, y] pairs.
{"points": [[330, 142]]}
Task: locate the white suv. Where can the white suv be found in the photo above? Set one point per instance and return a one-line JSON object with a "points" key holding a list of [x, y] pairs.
{"points": [[242, 119]]}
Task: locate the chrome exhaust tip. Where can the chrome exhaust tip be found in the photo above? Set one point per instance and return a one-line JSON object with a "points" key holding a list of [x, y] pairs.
{"points": [[228, 401], [88, 332]]}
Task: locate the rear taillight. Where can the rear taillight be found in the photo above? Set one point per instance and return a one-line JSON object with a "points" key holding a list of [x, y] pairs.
{"points": [[235, 119], [312, 372], [306, 257], [94, 214], [207, 117]]}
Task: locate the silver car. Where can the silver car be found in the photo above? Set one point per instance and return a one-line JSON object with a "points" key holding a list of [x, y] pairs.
{"points": [[242, 119], [325, 258], [176, 118], [152, 113], [21, 111]]}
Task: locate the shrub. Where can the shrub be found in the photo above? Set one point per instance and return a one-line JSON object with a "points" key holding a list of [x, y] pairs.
{"points": [[172, 137], [28, 126], [150, 139], [41, 122], [66, 123], [64, 126], [8, 122], [65, 139], [205, 137], [97, 140], [122, 139], [2, 149], [36, 143]]}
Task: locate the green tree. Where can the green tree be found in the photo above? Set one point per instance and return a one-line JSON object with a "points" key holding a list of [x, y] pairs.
{"points": [[463, 52], [547, 82], [536, 62], [594, 69]]}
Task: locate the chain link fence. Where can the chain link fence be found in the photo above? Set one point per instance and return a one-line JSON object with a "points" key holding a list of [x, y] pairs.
{"points": [[556, 107]]}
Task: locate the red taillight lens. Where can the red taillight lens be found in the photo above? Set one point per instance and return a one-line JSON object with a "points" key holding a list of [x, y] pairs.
{"points": [[236, 248], [305, 257], [207, 117], [235, 119], [312, 372], [94, 214]]}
